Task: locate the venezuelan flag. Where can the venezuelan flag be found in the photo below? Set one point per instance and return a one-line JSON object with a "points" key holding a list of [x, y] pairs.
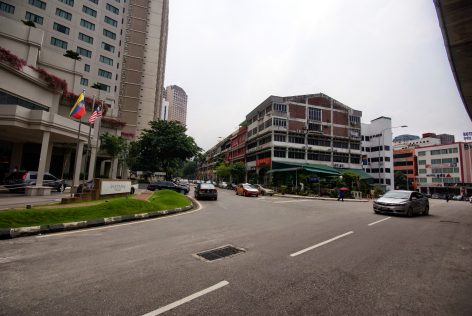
{"points": [[78, 110]]}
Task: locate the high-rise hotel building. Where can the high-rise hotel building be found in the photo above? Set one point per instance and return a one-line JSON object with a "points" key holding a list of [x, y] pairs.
{"points": [[177, 99], [122, 44]]}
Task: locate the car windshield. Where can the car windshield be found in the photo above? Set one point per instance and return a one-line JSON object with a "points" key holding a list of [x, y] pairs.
{"points": [[397, 195], [207, 186], [249, 186]]}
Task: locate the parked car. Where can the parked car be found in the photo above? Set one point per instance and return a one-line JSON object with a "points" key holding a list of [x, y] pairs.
{"points": [[19, 180], [205, 190], [438, 196], [264, 191], [184, 182], [223, 185], [247, 189], [402, 202], [161, 185]]}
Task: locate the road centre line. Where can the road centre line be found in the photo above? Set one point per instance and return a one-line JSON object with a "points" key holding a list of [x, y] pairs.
{"points": [[378, 221], [320, 244], [84, 230], [187, 299], [291, 201]]}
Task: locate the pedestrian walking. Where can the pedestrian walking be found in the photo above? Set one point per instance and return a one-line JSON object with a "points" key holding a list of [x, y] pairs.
{"points": [[341, 195], [447, 198]]}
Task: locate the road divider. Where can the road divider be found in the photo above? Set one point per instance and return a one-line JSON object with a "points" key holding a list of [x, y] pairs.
{"points": [[320, 244], [187, 299]]}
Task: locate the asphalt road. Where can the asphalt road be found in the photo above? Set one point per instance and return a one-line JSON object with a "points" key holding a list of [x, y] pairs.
{"points": [[303, 257]]}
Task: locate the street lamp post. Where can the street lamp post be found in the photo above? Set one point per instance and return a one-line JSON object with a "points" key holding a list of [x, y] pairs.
{"points": [[383, 146]]}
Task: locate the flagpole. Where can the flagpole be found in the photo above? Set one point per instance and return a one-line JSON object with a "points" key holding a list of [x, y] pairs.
{"points": [[98, 134], [77, 148], [88, 140]]}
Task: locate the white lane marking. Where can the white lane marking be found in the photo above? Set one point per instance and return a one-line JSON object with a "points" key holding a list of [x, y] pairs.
{"points": [[85, 230], [291, 201], [320, 244], [187, 299], [378, 221]]}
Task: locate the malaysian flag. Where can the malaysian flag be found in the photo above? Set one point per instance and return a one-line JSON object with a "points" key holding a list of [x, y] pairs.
{"points": [[95, 115]]}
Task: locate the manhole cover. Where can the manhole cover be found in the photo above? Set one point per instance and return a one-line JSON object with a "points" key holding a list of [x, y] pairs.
{"points": [[220, 252]]}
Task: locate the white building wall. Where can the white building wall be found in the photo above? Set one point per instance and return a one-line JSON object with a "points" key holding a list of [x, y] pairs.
{"points": [[379, 134]]}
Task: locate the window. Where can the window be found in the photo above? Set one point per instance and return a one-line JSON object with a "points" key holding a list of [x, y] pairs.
{"points": [[279, 138], [104, 87], [319, 155], [340, 144], [61, 28], [404, 155], [422, 153], [325, 142], [354, 120], [421, 171], [314, 114], [57, 42], [111, 21], [108, 47], [280, 152], [355, 146], [435, 152], [297, 139], [279, 107], [33, 18], [109, 34], [84, 81], [8, 8], [280, 122], [106, 60], [452, 150], [422, 162], [38, 3], [338, 157], [112, 9], [436, 161], [296, 153], [86, 38], [84, 52], [87, 68], [104, 73], [94, 1], [63, 14], [68, 2], [89, 11], [87, 24], [423, 180]]}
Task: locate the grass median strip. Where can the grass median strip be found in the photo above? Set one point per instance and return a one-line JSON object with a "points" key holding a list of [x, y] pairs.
{"points": [[159, 201]]}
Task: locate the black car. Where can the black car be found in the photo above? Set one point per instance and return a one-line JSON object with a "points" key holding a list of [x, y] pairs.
{"points": [[206, 190], [161, 185], [19, 180]]}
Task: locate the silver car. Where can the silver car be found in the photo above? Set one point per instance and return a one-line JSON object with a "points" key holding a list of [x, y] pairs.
{"points": [[402, 202]]}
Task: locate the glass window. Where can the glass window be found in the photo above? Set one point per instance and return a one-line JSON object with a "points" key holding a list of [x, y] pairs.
{"points": [[108, 47], [279, 107], [106, 60], [38, 3], [87, 68], [112, 9], [33, 18], [84, 52], [89, 11], [109, 34], [422, 153], [422, 162], [59, 43], [280, 122], [421, 171], [94, 1], [111, 21], [86, 38], [61, 28], [104, 73], [280, 152], [68, 2], [104, 87], [84, 81], [87, 24], [314, 114], [63, 14], [279, 138], [8, 8]]}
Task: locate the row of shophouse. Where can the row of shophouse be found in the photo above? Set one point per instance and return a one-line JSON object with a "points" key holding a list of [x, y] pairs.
{"points": [[318, 134]]}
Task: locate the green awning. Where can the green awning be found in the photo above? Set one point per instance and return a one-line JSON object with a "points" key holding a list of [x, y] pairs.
{"points": [[322, 171], [361, 173], [284, 169]]}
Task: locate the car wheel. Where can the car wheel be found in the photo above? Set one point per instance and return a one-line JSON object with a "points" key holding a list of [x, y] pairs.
{"points": [[410, 212], [376, 212], [236, 192], [426, 210]]}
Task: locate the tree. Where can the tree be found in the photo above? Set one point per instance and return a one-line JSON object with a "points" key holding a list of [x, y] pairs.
{"points": [[165, 146], [115, 146], [238, 171], [399, 179], [223, 170], [71, 54], [189, 170]]}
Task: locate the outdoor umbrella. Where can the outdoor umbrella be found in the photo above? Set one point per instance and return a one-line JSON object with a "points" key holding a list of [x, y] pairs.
{"points": [[343, 189]]}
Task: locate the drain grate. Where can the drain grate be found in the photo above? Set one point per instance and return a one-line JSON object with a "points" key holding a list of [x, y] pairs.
{"points": [[219, 253]]}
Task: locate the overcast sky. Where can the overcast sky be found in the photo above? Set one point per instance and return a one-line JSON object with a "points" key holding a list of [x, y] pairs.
{"points": [[384, 58]]}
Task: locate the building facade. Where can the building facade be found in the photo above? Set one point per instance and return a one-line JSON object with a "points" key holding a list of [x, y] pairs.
{"points": [[377, 151], [445, 169], [177, 99], [404, 161]]}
